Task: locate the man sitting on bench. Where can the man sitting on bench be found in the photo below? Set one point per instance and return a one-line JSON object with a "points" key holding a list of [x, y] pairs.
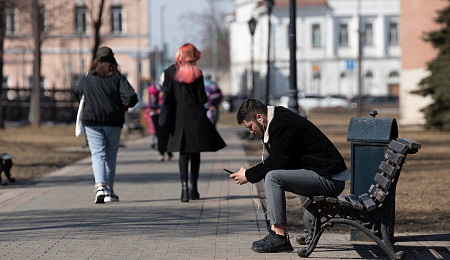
{"points": [[301, 160]]}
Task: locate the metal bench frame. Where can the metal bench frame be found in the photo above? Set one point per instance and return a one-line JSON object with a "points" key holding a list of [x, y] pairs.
{"points": [[373, 213]]}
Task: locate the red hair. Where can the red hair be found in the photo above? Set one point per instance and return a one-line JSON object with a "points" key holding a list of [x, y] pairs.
{"points": [[186, 58]]}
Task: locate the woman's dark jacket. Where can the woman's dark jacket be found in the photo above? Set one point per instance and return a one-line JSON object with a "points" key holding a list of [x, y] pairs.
{"points": [[296, 143], [105, 99], [193, 132]]}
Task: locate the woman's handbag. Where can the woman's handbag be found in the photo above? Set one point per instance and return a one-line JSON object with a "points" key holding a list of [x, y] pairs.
{"points": [[79, 127]]}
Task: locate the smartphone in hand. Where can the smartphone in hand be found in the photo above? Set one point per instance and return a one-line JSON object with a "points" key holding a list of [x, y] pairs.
{"points": [[230, 172]]}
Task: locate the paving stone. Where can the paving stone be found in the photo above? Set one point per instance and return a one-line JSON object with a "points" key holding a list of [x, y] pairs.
{"points": [[54, 217]]}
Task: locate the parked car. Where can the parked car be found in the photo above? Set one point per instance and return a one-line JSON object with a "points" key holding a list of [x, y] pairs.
{"points": [[309, 102]]}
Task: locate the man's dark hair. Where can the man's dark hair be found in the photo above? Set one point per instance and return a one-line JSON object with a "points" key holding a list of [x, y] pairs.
{"points": [[248, 110]]}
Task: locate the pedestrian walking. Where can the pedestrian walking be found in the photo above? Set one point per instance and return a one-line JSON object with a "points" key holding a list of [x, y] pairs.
{"points": [[107, 95], [190, 130], [214, 94], [155, 97]]}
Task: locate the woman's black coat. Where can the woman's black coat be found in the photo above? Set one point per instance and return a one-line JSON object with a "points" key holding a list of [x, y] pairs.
{"points": [[193, 131]]}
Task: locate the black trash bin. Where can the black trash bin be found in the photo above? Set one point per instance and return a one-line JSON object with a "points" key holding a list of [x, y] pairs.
{"points": [[369, 137]]}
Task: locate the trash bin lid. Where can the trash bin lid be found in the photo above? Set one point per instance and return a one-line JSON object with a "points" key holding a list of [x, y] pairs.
{"points": [[369, 129]]}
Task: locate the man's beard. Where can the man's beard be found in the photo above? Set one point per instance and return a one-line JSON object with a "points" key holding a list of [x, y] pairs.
{"points": [[261, 129]]}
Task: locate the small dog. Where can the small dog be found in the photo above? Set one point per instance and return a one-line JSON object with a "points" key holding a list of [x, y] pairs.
{"points": [[5, 166]]}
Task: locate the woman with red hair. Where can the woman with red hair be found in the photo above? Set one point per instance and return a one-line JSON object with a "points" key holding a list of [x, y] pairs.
{"points": [[192, 132]]}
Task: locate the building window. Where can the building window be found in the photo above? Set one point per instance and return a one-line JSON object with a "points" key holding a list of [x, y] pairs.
{"points": [[10, 21], [316, 36], [116, 20], [393, 33], [368, 34], [81, 13], [343, 35], [393, 74]]}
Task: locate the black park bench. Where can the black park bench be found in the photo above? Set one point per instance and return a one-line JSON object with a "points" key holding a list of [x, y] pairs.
{"points": [[372, 212]]}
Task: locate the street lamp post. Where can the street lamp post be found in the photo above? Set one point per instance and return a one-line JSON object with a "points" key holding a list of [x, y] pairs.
{"points": [[252, 26], [292, 102], [269, 6], [163, 37], [360, 53]]}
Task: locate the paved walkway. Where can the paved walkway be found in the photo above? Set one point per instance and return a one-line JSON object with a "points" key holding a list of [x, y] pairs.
{"points": [[54, 217]]}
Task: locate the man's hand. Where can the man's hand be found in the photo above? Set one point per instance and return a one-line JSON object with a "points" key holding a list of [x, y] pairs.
{"points": [[239, 177]]}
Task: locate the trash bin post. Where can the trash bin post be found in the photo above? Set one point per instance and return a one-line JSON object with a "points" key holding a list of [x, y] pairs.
{"points": [[369, 137]]}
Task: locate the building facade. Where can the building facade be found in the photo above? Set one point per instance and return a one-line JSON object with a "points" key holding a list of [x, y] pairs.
{"points": [[68, 41], [417, 18], [327, 47]]}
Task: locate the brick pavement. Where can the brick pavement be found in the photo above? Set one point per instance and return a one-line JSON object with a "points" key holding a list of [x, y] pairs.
{"points": [[54, 217]]}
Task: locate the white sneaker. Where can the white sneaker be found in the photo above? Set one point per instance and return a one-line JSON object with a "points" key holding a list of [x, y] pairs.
{"points": [[100, 194], [112, 198]]}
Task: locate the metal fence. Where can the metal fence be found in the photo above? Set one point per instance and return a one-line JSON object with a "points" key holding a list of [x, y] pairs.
{"points": [[57, 105]]}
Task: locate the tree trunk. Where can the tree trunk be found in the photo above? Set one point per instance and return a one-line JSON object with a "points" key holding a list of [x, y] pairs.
{"points": [[97, 25], [34, 115]]}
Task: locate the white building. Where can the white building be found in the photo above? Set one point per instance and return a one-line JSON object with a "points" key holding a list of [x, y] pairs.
{"points": [[327, 47]]}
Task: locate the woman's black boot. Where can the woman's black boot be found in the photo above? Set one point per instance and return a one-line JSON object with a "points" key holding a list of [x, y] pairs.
{"points": [[184, 192], [193, 192]]}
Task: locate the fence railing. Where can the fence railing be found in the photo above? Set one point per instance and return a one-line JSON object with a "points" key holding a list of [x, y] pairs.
{"points": [[57, 105]]}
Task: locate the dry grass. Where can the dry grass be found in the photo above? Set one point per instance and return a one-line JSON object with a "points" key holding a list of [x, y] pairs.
{"points": [[422, 201], [34, 149], [40, 150]]}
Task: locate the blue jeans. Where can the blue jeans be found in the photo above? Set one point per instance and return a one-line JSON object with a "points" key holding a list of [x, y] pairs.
{"points": [[104, 143], [301, 182]]}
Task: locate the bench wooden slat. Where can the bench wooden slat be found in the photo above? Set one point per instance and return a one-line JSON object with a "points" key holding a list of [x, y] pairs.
{"points": [[392, 157], [384, 182], [344, 203], [368, 202], [354, 201], [398, 147], [307, 203], [389, 169], [319, 198], [409, 142], [331, 200], [377, 193]]}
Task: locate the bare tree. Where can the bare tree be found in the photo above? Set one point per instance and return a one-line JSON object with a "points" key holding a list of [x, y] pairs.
{"points": [[214, 34], [97, 25], [38, 21], [34, 115]]}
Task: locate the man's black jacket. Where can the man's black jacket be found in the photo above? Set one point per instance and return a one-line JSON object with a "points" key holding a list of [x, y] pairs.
{"points": [[296, 143]]}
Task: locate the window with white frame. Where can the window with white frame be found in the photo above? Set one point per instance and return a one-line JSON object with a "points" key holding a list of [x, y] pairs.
{"points": [[343, 35], [393, 33], [116, 19], [10, 21], [81, 25], [368, 34], [316, 35]]}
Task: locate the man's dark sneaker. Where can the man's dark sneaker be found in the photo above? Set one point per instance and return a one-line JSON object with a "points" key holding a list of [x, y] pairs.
{"points": [[262, 240], [272, 243]]}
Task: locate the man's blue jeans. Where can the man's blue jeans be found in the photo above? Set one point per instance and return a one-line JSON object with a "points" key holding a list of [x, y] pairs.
{"points": [[301, 182], [104, 143]]}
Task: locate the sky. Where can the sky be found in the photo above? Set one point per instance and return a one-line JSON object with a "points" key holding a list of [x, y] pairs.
{"points": [[178, 29]]}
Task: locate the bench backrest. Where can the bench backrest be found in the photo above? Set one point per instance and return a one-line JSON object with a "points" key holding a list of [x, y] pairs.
{"points": [[386, 180]]}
